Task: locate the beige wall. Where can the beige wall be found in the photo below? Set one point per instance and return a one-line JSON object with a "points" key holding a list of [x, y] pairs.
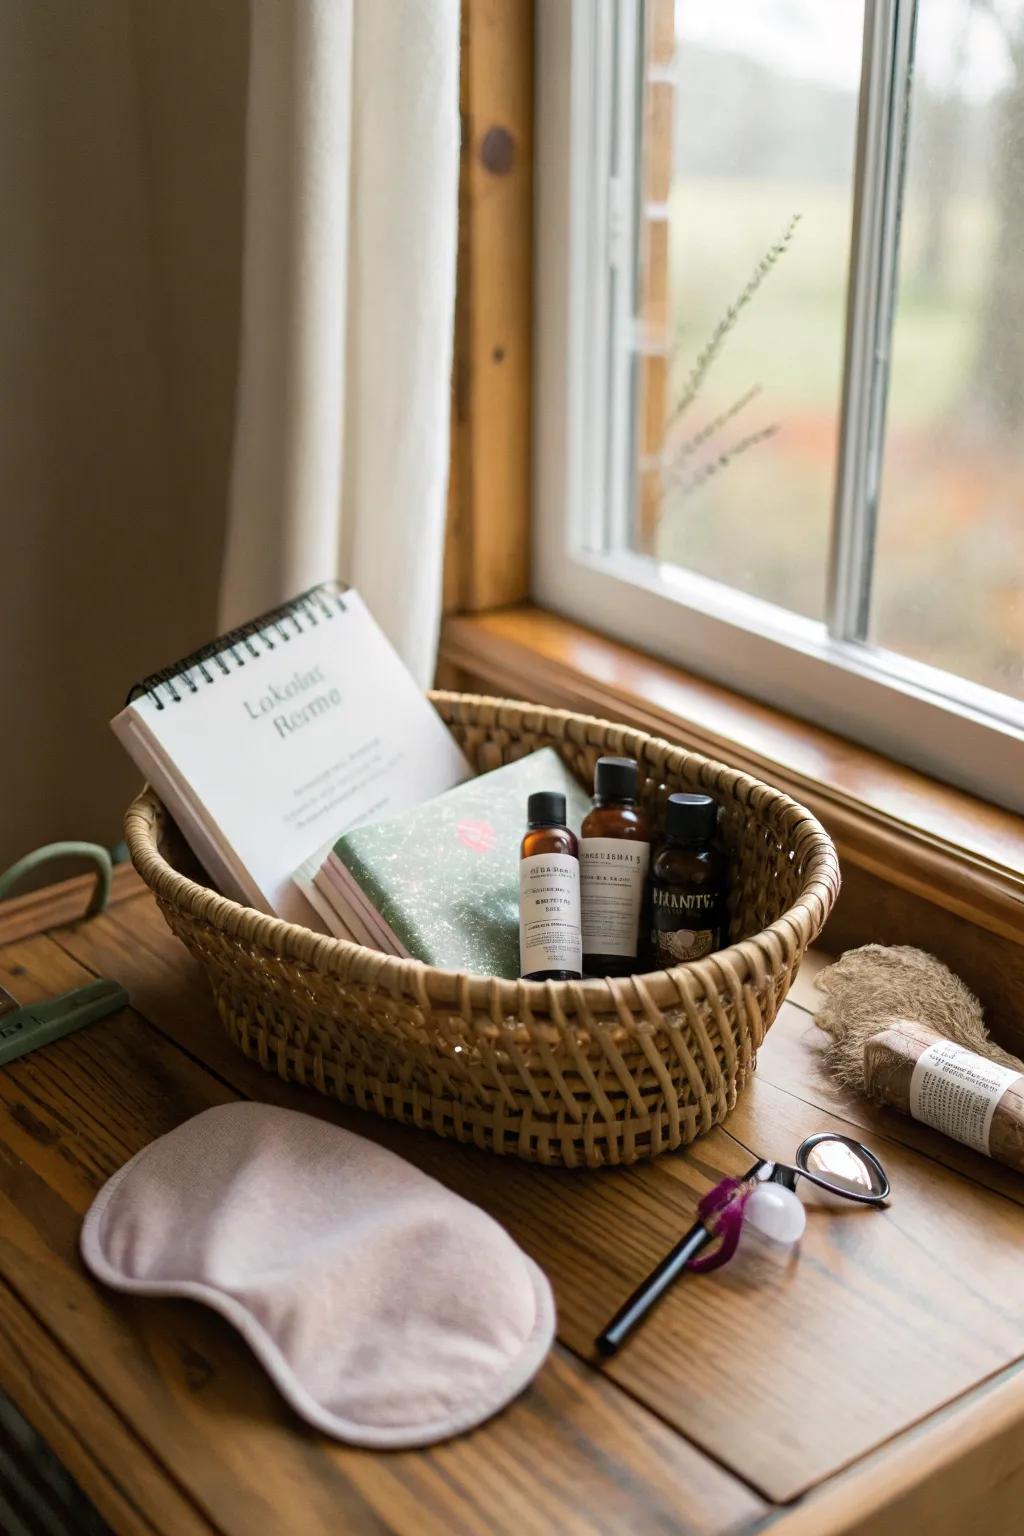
{"points": [[121, 144]]}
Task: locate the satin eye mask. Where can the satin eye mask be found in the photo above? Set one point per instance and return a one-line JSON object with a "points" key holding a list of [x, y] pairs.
{"points": [[388, 1311]]}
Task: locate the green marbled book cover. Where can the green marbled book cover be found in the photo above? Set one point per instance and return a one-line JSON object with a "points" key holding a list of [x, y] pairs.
{"points": [[445, 875]]}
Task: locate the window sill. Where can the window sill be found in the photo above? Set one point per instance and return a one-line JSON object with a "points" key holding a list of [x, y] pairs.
{"points": [[939, 844]]}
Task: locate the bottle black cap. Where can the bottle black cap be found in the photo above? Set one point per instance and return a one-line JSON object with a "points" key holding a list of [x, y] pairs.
{"points": [[615, 778], [546, 809], [690, 818]]}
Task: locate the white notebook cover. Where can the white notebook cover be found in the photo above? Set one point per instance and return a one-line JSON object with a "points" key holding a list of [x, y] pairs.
{"points": [[275, 746]]}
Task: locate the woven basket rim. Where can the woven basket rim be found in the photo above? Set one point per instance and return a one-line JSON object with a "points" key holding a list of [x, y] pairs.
{"points": [[727, 970]]}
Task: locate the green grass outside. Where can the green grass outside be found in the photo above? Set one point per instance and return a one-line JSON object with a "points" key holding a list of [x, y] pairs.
{"points": [[950, 530]]}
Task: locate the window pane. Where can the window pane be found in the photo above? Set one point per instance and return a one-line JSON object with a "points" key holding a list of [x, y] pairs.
{"points": [[760, 125], [949, 570]]}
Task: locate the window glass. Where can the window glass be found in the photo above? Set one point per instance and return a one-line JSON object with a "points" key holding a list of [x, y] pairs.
{"points": [[948, 584], [756, 122]]}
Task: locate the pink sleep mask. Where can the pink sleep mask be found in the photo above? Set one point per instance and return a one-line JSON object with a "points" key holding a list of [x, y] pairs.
{"points": [[388, 1310]]}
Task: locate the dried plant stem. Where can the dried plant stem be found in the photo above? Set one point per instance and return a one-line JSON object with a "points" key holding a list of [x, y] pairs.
{"points": [[686, 485], [707, 356], [700, 438]]}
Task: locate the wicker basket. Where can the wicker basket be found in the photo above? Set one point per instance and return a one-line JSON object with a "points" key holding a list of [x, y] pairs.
{"points": [[574, 1073]]}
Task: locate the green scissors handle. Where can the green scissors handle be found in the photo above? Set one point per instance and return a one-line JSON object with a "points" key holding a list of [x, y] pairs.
{"points": [[25, 1029], [92, 851]]}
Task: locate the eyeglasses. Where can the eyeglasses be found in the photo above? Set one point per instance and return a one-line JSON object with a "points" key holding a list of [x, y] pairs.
{"points": [[833, 1162]]}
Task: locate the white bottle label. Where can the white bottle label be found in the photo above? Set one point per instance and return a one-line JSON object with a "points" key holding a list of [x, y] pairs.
{"points": [[612, 875], [957, 1092], [549, 914]]}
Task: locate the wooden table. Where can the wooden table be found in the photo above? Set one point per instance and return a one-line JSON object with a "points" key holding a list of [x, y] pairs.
{"points": [[872, 1384]]}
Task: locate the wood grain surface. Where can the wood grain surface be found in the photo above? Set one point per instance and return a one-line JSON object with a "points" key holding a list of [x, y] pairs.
{"points": [[190, 1390], [487, 540], [61, 903], [748, 1391], [959, 1473], [596, 1234], [102, 1453]]}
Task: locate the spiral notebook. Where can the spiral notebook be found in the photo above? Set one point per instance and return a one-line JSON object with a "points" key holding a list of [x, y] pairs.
{"points": [[276, 738]]}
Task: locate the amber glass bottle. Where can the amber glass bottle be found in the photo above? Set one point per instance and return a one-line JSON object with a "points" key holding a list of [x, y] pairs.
{"points": [[549, 894], [689, 884], [615, 850]]}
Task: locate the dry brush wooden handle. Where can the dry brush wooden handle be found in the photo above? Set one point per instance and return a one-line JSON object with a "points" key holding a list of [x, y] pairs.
{"points": [[889, 1061]]}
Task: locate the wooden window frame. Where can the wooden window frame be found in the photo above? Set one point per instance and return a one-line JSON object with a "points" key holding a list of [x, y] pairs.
{"points": [[589, 98], [923, 863], [487, 547]]}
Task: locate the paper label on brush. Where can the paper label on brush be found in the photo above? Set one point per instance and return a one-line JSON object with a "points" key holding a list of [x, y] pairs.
{"points": [[612, 875], [549, 914], [957, 1092]]}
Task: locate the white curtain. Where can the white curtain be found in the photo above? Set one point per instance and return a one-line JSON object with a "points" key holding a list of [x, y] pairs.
{"points": [[341, 444]]}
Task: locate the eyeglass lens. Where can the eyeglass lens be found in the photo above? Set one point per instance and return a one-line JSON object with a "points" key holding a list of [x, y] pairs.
{"points": [[844, 1165]]}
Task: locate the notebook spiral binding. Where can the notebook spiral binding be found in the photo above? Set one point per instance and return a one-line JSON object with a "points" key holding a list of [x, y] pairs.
{"points": [[220, 656]]}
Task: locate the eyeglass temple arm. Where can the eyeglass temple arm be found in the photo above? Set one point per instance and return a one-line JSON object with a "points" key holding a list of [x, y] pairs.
{"points": [[865, 1197], [664, 1274]]}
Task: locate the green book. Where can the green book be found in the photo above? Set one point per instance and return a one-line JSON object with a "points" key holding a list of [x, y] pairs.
{"points": [[440, 882]]}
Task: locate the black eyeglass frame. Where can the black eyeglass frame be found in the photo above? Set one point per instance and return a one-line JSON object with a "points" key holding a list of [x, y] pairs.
{"points": [[787, 1175], [765, 1170]]}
